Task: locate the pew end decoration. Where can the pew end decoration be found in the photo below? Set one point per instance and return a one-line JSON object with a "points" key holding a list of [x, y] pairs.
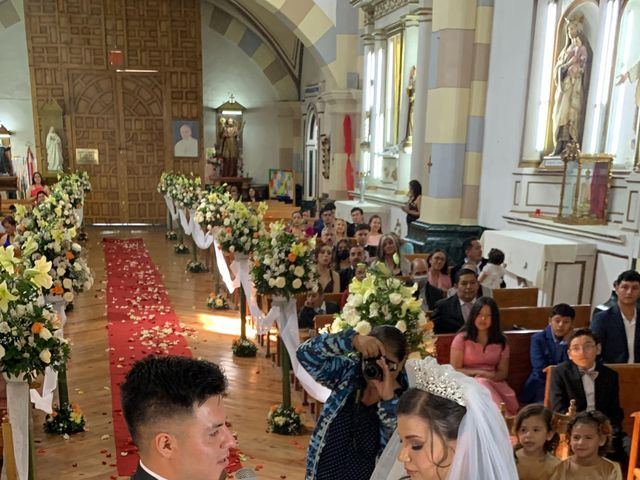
{"points": [[285, 420], [381, 299], [65, 419], [243, 347]]}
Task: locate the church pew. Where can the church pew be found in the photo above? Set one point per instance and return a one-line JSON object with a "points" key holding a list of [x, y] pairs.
{"points": [[537, 318], [5, 203], [516, 297], [519, 361], [634, 471], [629, 393]]}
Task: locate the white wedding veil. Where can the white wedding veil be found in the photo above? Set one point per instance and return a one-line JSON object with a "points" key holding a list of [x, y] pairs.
{"points": [[483, 449]]}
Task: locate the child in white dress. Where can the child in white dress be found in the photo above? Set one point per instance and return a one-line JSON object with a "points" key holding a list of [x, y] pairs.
{"points": [[493, 272]]}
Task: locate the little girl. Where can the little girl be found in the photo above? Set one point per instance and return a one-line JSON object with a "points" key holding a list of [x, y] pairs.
{"points": [[590, 438], [536, 443], [493, 271]]}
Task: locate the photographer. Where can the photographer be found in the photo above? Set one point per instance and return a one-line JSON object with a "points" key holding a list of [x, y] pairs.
{"points": [[366, 375]]}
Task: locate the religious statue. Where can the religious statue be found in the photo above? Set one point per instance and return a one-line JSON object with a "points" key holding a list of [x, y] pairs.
{"points": [[571, 76], [411, 93], [632, 75], [229, 142], [54, 151]]}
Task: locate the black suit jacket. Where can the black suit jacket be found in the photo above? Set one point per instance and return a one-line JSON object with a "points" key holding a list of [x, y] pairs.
{"points": [[447, 315], [566, 384], [432, 294], [305, 317], [346, 275], [141, 474], [609, 327]]}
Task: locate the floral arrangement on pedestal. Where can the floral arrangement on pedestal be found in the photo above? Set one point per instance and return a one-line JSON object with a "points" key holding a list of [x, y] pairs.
{"points": [[217, 302], [74, 186], [65, 419], [381, 299], [185, 191], [285, 420], [284, 266], [167, 179], [210, 211], [242, 227], [243, 347], [29, 338]]}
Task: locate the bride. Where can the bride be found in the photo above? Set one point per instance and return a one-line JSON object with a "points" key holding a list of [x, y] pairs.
{"points": [[448, 429]]}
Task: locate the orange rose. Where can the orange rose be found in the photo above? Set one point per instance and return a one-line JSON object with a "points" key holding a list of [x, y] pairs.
{"points": [[70, 256], [228, 230], [274, 407], [76, 408], [57, 289], [298, 410], [37, 327], [292, 257]]}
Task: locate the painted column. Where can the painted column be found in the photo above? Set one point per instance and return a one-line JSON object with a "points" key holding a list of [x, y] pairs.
{"points": [[290, 126]]}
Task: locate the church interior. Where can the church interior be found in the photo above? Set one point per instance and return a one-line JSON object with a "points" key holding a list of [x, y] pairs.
{"points": [[510, 125]]}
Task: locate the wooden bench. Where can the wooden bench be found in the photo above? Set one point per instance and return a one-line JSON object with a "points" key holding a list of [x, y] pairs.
{"points": [[516, 297], [519, 342], [634, 472], [537, 318], [5, 203], [629, 393]]}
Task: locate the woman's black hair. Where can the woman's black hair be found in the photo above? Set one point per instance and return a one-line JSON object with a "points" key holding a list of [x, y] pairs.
{"points": [[415, 189], [9, 220], [336, 249], [445, 267], [598, 420], [392, 338], [537, 410], [33, 179], [379, 218], [443, 416], [495, 335]]}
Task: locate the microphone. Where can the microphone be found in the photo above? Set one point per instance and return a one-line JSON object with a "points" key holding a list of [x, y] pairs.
{"points": [[246, 474]]}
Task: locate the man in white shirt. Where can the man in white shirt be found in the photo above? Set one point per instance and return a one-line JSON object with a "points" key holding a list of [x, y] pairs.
{"points": [[188, 146], [174, 409]]}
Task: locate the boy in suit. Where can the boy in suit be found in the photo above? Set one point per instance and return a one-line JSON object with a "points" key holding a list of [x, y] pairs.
{"points": [[617, 328], [548, 347], [174, 409], [592, 385]]}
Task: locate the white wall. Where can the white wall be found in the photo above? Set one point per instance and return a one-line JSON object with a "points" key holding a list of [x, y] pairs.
{"points": [[16, 112], [504, 118], [227, 69]]}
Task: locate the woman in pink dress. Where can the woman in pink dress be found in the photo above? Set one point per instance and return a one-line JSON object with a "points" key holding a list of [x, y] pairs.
{"points": [[480, 350]]}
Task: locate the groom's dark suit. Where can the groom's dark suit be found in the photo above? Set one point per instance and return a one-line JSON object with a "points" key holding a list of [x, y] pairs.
{"points": [[141, 474]]}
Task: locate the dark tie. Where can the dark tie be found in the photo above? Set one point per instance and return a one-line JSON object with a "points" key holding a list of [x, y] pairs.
{"points": [[593, 374]]}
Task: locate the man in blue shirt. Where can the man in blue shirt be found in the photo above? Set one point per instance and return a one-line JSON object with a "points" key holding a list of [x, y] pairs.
{"points": [[548, 347]]}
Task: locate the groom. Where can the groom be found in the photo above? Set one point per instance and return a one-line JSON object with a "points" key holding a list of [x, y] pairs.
{"points": [[174, 410]]}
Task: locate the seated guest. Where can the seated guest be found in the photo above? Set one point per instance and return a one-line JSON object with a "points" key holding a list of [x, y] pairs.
{"points": [[174, 409], [482, 290], [450, 314], [328, 236], [315, 305], [361, 236], [613, 300], [592, 385], [537, 442], [389, 254], [328, 278], [356, 256], [426, 292], [340, 227], [617, 328], [375, 233], [357, 217], [439, 270], [548, 347], [9, 235], [360, 273], [37, 185], [307, 222], [472, 249], [327, 218], [589, 436], [296, 227], [41, 196], [341, 255], [481, 351]]}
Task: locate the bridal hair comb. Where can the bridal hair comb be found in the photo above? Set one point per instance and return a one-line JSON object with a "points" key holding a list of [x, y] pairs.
{"points": [[440, 380]]}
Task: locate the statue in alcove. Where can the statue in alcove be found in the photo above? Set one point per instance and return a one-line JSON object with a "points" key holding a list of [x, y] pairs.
{"points": [[229, 147], [411, 94], [571, 76], [54, 151]]}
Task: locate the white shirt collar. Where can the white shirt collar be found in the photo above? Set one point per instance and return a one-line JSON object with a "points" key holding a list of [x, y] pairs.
{"points": [[153, 474]]}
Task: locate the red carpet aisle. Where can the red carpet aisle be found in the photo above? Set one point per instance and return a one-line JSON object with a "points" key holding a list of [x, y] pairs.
{"points": [[140, 322]]}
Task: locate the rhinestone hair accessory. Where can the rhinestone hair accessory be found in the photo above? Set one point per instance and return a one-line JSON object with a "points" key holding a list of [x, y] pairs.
{"points": [[439, 380]]}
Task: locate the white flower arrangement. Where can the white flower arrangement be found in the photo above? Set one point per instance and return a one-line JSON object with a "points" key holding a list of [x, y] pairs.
{"points": [[74, 185], [185, 191], [380, 299], [283, 265], [167, 180], [211, 209], [242, 227]]}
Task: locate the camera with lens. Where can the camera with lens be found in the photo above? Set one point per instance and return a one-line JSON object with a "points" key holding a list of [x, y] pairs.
{"points": [[370, 368]]}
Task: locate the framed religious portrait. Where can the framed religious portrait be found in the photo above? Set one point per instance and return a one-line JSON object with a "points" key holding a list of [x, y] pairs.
{"points": [[87, 156], [281, 184], [185, 138]]}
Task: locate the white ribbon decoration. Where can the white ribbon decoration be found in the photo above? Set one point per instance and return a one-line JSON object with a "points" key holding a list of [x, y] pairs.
{"points": [[203, 240], [173, 211], [19, 410], [241, 270], [186, 224], [287, 318], [43, 402], [223, 268], [80, 214]]}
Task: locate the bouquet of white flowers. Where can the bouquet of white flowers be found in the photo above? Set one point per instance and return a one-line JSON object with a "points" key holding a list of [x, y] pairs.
{"points": [[73, 185], [283, 265], [186, 192], [380, 299], [242, 227], [210, 211], [167, 180]]}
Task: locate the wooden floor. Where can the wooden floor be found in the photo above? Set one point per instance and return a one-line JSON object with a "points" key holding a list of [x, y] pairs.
{"points": [[255, 383]]}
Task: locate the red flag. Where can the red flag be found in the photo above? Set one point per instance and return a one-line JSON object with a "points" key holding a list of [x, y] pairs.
{"points": [[346, 128]]}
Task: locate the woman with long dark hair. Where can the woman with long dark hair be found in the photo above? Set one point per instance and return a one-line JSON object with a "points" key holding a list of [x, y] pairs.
{"points": [[412, 208], [480, 350]]}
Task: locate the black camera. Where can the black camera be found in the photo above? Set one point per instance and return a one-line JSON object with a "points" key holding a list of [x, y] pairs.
{"points": [[370, 368]]}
